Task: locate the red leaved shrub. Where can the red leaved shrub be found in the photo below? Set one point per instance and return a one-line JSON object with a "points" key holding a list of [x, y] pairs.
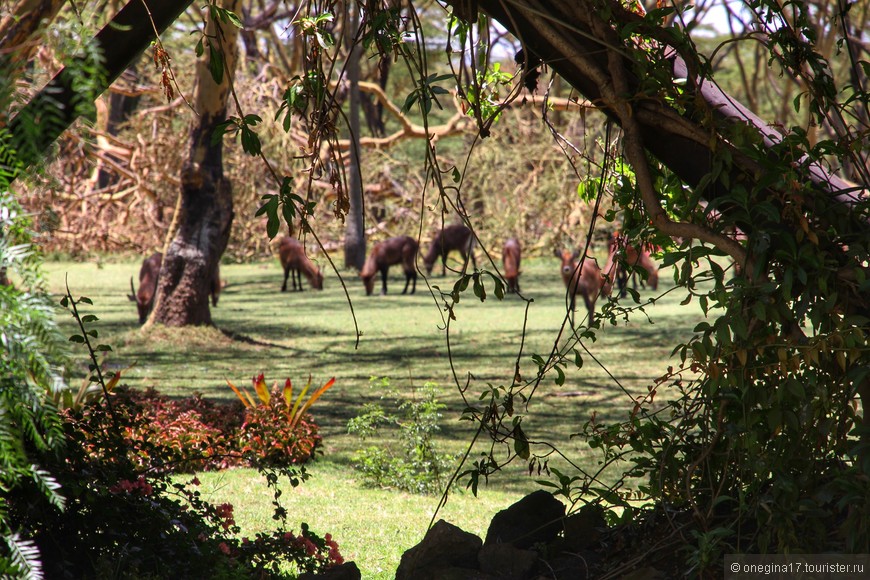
{"points": [[268, 434], [206, 435]]}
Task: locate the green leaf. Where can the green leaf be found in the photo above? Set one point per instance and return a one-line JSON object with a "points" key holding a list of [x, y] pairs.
{"points": [[270, 204], [270, 208], [233, 18], [288, 120], [435, 79], [222, 129], [77, 338], [479, 290], [272, 225], [215, 64], [288, 210], [499, 289], [521, 443], [659, 14], [409, 101], [250, 141], [560, 375], [578, 360]]}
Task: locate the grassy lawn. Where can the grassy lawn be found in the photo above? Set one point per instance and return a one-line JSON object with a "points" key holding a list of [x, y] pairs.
{"points": [[259, 329]]}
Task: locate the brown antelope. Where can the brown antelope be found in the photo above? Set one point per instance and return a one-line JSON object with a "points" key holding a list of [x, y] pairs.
{"points": [[624, 259], [451, 238], [511, 261], [582, 278], [148, 276], [398, 250], [293, 259]]}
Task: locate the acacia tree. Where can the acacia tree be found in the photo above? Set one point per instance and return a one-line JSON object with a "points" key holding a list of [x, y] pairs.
{"points": [[762, 414]]}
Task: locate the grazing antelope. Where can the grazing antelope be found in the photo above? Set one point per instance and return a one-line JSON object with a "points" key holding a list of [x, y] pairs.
{"points": [[293, 260], [451, 238], [511, 260], [149, 273], [582, 278], [624, 259], [398, 250]]}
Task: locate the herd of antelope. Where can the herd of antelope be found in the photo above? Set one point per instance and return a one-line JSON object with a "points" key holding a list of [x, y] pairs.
{"points": [[582, 276]]}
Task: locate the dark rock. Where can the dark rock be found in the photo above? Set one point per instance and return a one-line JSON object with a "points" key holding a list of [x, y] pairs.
{"points": [[452, 573], [445, 546], [583, 528], [535, 519], [568, 567], [506, 561], [346, 571]]}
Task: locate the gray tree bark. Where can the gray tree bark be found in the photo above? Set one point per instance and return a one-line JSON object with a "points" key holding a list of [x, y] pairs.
{"points": [[354, 235]]}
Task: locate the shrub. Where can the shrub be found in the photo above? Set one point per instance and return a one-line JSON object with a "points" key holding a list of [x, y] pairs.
{"points": [[193, 434], [278, 429], [264, 435], [202, 435], [416, 466], [127, 516]]}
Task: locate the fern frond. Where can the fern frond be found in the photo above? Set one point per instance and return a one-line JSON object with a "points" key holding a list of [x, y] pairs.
{"points": [[24, 556], [49, 486]]}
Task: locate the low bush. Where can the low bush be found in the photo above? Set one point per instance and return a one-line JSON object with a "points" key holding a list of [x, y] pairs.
{"points": [[415, 464], [278, 429], [198, 434]]}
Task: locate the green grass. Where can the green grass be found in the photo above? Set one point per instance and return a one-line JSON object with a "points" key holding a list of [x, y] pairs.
{"points": [[260, 329], [373, 527]]}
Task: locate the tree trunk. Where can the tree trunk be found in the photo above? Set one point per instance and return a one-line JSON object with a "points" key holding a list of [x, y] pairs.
{"points": [[206, 198], [355, 235]]}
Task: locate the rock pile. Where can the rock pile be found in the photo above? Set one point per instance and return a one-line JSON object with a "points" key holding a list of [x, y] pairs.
{"points": [[531, 540]]}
